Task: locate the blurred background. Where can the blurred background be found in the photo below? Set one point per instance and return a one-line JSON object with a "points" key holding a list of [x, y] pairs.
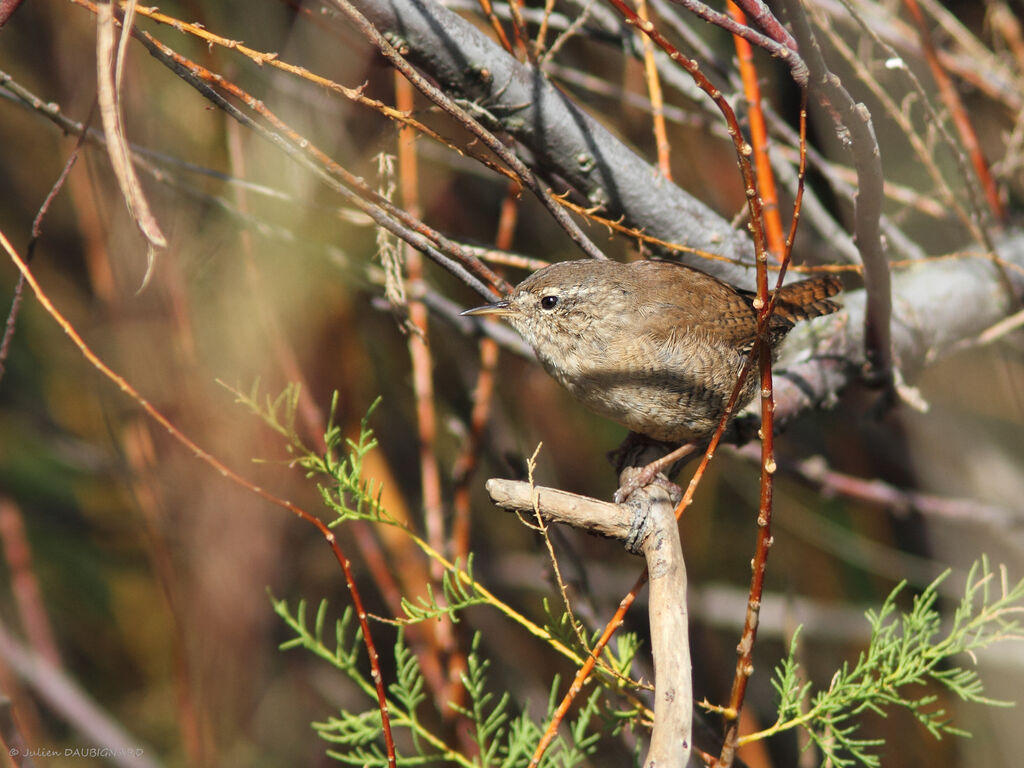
{"points": [[141, 575]]}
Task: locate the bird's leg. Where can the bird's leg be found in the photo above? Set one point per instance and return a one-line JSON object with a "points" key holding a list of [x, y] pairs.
{"points": [[640, 461]]}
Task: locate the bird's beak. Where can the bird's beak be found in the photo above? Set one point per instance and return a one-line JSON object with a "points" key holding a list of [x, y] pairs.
{"points": [[499, 308]]}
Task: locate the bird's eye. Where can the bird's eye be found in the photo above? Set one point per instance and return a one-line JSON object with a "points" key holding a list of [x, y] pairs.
{"points": [[548, 302]]}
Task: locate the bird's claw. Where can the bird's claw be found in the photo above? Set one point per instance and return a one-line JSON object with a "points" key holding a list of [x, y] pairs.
{"points": [[644, 477]]}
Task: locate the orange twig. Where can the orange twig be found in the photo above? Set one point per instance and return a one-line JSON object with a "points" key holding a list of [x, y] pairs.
{"points": [[642, 237], [214, 463], [956, 109], [745, 648], [542, 29], [485, 6], [743, 151], [519, 30], [759, 138], [423, 391], [586, 668], [465, 464], [655, 95], [419, 350]]}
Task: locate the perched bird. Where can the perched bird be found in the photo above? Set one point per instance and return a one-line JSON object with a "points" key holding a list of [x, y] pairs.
{"points": [[653, 345]]}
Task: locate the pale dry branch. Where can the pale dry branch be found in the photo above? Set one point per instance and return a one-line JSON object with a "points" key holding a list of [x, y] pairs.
{"points": [[109, 71], [646, 524]]}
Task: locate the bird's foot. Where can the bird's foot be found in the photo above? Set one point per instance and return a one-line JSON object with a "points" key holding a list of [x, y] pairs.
{"points": [[635, 478]]}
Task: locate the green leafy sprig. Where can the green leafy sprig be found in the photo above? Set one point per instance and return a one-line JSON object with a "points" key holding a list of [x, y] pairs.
{"points": [[906, 651]]}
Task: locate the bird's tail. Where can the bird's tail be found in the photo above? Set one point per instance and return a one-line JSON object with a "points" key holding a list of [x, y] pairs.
{"points": [[808, 298]]}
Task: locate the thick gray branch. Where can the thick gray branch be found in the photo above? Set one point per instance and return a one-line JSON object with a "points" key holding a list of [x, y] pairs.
{"points": [[854, 125], [565, 142], [937, 305]]}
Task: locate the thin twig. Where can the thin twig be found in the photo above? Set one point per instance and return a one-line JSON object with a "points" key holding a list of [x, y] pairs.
{"points": [[745, 648], [37, 222], [24, 582], [542, 32], [661, 142], [782, 48], [443, 639], [964, 128], [499, 30], [418, 341], [519, 30], [460, 264], [758, 139], [214, 463], [446, 103], [853, 124]]}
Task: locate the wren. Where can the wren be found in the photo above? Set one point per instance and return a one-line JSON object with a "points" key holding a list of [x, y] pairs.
{"points": [[653, 345]]}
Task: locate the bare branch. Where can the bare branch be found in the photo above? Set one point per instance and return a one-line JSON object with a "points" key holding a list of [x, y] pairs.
{"points": [[646, 523], [854, 126], [73, 703], [778, 42], [565, 142]]}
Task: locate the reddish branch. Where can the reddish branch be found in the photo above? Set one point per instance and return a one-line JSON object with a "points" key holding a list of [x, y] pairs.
{"points": [[759, 138], [743, 151], [7, 7], [853, 124], [214, 463], [778, 42], [529, 179], [951, 99], [455, 259]]}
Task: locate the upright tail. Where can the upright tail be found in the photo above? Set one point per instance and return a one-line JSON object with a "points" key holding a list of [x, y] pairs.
{"points": [[808, 298]]}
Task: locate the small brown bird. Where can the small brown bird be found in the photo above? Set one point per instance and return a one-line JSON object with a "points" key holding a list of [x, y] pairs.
{"points": [[653, 345]]}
